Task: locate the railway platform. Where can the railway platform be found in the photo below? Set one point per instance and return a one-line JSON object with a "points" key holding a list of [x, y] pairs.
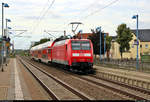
{"points": [[15, 83], [10, 85]]}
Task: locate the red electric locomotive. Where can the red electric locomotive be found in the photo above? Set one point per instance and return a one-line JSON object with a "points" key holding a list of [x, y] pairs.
{"points": [[73, 53]]}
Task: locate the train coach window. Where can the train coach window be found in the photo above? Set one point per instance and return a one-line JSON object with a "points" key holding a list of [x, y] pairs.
{"points": [[39, 52], [49, 50]]}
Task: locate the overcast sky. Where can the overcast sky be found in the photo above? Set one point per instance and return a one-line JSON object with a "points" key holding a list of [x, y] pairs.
{"points": [[35, 16]]}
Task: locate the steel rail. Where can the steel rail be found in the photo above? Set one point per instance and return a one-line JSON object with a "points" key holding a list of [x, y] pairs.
{"points": [[109, 87], [50, 93], [73, 90]]}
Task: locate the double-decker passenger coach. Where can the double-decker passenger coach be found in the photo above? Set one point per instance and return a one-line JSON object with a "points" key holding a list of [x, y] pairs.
{"points": [[42, 52]]}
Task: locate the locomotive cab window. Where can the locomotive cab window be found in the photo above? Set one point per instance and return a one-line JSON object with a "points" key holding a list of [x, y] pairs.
{"points": [[75, 45], [85, 45], [80, 45]]}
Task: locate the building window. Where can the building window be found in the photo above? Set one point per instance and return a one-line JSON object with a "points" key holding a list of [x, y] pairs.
{"points": [[140, 46], [133, 46], [146, 45]]}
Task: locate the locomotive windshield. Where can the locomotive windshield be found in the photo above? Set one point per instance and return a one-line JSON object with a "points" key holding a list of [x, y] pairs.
{"points": [[80, 45]]}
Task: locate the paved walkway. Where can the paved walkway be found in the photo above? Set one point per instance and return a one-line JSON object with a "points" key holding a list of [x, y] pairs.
{"points": [[16, 83], [10, 87], [5, 77]]}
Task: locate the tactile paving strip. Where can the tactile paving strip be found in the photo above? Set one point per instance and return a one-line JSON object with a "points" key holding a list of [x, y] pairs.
{"points": [[3, 93]]}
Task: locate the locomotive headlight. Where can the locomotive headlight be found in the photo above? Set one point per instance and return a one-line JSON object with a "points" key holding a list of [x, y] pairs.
{"points": [[88, 59], [87, 54], [75, 54], [74, 60]]}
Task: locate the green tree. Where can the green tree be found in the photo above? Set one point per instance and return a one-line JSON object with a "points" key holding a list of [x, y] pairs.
{"points": [[124, 36], [95, 38], [108, 45], [41, 41]]}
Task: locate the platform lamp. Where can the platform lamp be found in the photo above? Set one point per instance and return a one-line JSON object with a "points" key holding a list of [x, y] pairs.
{"points": [[137, 59], [7, 20], [99, 29], [8, 39], [2, 52], [104, 45], [7, 36]]}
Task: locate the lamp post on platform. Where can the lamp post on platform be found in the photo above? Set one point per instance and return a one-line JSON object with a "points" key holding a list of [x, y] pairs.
{"points": [[5, 43], [104, 45], [99, 29], [137, 57], [2, 50], [7, 20]]}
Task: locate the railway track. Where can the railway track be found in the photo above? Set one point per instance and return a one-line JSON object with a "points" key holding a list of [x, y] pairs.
{"points": [[122, 83], [131, 93], [76, 94]]}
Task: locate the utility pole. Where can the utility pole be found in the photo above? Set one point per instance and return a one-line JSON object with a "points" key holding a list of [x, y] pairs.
{"points": [[64, 33], [137, 42], [6, 35], [100, 43], [3, 40], [2, 37], [13, 47], [100, 48], [4, 48], [22, 31], [104, 45]]}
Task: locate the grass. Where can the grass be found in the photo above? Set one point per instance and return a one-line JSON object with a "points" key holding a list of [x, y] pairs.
{"points": [[145, 58]]}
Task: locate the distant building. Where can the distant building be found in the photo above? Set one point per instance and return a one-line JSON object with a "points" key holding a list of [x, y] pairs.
{"points": [[144, 37], [85, 35], [144, 45]]}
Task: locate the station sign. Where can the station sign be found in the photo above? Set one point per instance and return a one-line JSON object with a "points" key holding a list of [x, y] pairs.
{"points": [[136, 42], [7, 44]]}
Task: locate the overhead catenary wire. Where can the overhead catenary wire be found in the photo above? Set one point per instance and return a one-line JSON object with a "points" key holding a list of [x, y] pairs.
{"points": [[91, 14], [87, 8], [44, 15], [100, 9], [80, 13], [39, 17], [47, 10]]}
